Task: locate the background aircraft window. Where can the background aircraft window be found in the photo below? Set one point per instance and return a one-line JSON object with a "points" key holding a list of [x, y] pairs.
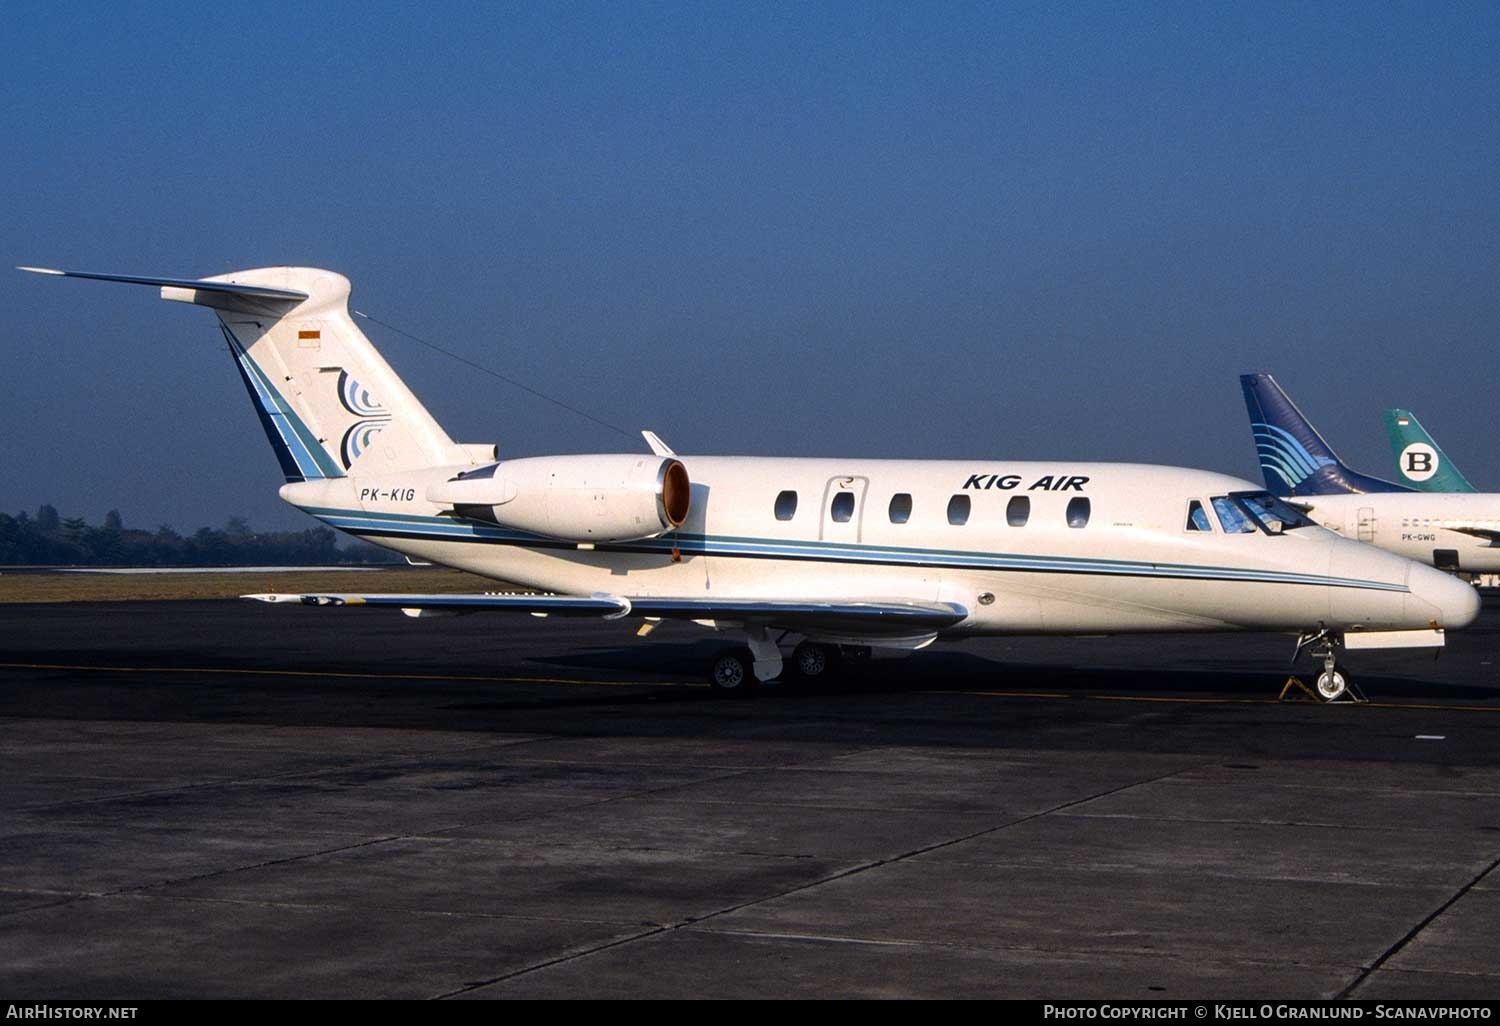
{"points": [[786, 505], [958, 510], [1198, 517], [1078, 512], [1018, 510], [900, 507], [1233, 519], [843, 507]]}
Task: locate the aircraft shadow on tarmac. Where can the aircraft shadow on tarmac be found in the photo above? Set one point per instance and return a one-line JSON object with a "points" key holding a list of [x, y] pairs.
{"points": [[949, 669]]}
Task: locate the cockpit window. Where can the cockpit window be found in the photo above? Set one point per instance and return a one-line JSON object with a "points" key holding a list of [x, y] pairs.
{"points": [[1197, 519], [1244, 512], [1273, 515], [1232, 518]]}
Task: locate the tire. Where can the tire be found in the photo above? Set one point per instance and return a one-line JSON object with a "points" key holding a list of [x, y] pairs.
{"points": [[812, 661], [1332, 684], [733, 673]]}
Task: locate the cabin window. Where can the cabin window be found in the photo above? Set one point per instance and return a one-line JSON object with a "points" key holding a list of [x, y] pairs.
{"points": [[1078, 512], [958, 510], [1197, 519], [900, 507], [843, 507], [1018, 510], [786, 505]]}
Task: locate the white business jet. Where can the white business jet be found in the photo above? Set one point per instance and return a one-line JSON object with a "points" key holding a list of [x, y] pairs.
{"points": [[806, 556]]}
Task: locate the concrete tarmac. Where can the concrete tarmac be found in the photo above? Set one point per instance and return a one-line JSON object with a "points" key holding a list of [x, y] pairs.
{"points": [[221, 799]]}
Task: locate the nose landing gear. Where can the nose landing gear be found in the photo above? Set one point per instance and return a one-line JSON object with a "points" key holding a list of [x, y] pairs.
{"points": [[1333, 683]]}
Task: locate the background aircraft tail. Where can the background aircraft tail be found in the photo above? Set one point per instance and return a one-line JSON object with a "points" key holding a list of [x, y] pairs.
{"points": [[1420, 463], [1294, 459], [329, 403]]}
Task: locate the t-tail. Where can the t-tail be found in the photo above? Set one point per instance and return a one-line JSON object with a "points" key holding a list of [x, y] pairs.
{"points": [[329, 403], [1420, 463], [1294, 458]]}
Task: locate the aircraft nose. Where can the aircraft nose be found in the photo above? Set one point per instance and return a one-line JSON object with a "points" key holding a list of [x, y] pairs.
{"points": [[1454, 602]]}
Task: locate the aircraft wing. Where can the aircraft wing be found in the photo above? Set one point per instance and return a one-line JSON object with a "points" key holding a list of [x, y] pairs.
{"points": [[874, 618], [1487, 533]]}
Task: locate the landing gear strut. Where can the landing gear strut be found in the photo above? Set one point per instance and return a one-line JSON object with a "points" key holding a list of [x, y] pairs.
{"points": [[739, 670], [1332, 683]]}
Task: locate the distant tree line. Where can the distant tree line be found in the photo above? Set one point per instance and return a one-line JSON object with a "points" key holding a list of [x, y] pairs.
{"points": [[47, 539]]}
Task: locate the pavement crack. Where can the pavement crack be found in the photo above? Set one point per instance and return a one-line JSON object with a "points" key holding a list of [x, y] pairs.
{"points": [[569, 957], [1367, 971], [843, 874]]}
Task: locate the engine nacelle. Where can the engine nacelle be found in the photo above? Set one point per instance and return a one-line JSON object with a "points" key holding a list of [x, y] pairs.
{"points": [[575, 498]]}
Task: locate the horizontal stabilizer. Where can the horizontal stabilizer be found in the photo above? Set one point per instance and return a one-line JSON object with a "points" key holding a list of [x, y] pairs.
{"points": [[855, 618], [197, 284]]}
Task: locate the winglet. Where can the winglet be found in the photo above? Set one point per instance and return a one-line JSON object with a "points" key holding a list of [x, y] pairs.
{"points": [[657, 445]]}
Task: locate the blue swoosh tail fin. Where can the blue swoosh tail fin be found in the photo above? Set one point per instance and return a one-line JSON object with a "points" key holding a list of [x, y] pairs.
{"points": [[1294, 458]]}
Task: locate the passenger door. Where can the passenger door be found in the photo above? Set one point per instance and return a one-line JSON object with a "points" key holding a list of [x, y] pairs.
{"points": [[843, 509]]}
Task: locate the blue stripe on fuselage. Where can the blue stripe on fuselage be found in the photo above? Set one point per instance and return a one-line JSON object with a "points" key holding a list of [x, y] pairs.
{"points": [[401, 525]]}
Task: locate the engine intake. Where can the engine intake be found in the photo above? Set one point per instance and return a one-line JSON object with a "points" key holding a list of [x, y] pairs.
{"points": [[575, 498]]}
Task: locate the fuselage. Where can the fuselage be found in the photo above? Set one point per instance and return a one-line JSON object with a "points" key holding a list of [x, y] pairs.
{"points": [[1026, 547], [1426, 526]]}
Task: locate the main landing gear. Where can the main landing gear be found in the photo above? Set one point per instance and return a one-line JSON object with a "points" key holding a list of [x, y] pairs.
{"points": [[731, 673], [812, 661], [1332, 683], [739, 670]]}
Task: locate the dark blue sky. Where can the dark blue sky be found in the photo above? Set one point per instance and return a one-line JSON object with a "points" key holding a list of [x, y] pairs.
{"points": [[1031, 230]]}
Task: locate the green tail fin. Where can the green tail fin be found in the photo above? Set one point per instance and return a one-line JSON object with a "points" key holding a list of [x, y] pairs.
{"points": [[1420, 463]]}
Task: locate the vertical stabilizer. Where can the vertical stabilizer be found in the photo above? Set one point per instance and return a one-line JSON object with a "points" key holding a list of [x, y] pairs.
{"points": [[329, 403], [1420, 462], [1294, 458]]}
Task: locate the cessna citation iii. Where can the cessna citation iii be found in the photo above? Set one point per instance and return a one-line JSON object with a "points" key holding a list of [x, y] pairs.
{"points": [[799, 555], [1451, 530]]}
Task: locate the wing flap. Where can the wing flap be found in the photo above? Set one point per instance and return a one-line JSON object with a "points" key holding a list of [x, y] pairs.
{"points": [[560, 605], [894, 617]]}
